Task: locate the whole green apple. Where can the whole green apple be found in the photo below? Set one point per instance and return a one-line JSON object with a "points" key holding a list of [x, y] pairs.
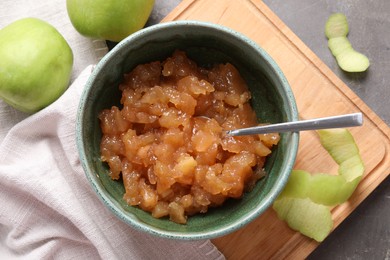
{"points": [[111, 20], [35, 64]]}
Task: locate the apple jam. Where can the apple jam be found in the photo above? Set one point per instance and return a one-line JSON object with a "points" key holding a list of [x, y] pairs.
{"points": [[167, 142]]}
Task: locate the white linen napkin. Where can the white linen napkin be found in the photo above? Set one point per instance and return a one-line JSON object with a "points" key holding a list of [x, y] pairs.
{"points": [[48, 209], [85, 50]]}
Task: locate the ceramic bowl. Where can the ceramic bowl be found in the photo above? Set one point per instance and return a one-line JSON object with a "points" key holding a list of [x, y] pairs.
{"points": [[205, 43]]}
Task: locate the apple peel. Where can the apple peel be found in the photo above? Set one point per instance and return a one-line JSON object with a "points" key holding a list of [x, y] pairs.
{"points": [[306, 200], [348, 59], [309, 218]]}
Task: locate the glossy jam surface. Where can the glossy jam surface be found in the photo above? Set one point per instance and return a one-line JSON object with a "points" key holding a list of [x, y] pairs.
{"points": [[167, 142]]}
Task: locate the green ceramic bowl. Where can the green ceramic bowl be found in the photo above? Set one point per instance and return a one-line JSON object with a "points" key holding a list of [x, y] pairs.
{"points": [[205, 43]]}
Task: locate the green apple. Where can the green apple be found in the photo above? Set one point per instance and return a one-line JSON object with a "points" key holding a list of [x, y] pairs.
{"points": [[35, 64], [111, 20]]}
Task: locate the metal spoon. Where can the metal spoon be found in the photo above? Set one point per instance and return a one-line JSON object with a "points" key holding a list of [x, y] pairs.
{"points": [[349, 120]]}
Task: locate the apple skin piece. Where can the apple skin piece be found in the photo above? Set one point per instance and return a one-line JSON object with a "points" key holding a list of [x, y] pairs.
{"points": [[341, 145], [330, 190], [338, 45], [352, 168], [349, 60], [336, 26], [35, 64], [352, 61], [111, 20], [304, 203], [325, 189], [298, 185], [303, 215]]}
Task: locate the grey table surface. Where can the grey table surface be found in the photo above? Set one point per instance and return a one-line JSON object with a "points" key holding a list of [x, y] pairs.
{"points": [[365, 234]]}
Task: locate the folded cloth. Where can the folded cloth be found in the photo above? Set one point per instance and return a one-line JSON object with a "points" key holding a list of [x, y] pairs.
{"points": [[49, 210], [85, 51]]}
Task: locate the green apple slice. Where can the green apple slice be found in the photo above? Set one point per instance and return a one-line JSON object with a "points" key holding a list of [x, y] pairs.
{"points": [[303, 215]]}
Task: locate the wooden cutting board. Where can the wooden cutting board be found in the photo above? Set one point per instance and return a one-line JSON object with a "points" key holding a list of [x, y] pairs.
{"points": [[318, 92]]}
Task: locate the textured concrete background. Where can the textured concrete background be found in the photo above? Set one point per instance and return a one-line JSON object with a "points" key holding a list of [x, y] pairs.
{"points": [[365, 234]]}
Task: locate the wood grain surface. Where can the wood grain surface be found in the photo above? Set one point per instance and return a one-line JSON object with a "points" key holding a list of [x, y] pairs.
{"points": [[319, 93]]}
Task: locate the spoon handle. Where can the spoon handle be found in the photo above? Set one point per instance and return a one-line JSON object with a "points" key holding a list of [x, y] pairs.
{"points": [[349, 120]]}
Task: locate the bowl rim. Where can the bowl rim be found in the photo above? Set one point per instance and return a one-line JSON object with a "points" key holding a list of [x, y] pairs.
{"points": [[128, 217]]}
